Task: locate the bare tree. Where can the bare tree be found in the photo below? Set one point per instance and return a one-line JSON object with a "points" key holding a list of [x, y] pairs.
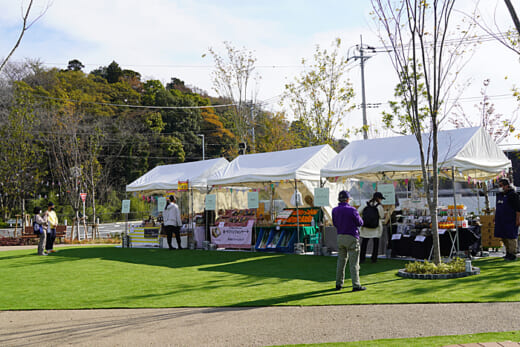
{"points": [[416, 33], [498, 126], [26, 25], [232, 79]]}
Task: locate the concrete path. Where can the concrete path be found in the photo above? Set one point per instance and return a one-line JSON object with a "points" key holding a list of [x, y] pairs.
{"points": [[262, 326]]}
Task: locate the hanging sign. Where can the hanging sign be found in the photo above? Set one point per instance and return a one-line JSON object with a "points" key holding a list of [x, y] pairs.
{"points": [[83, 196], [125, 206], [388, 191], [182, 186], [211, 202], [321, 197], [161, 203], [252, 199]]}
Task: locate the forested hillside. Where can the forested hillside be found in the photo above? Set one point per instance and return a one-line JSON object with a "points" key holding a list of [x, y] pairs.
{"points": [[70, 131]]}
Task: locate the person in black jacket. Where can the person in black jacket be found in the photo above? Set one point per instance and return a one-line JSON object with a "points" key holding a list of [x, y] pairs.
{"points": [[507, 217]]}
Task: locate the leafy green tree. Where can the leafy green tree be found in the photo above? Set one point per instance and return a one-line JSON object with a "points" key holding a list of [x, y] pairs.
{"points": [[75, 65], [21, 170], [321, 97], [114, 72], [303, 134], [399, 120], [218, 140], [273, 133]]}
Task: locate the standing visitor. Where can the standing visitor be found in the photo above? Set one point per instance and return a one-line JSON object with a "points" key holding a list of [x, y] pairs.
{"points": [[172, 222], [39, 228], [346, 219], [507, 217], [372, 214], [52, 223]]}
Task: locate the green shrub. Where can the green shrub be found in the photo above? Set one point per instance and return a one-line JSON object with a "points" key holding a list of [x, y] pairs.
{"points": [[426, 267]]}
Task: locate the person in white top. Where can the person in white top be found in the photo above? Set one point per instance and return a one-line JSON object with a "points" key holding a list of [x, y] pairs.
{"points": [[373, 215], [172, 222], [39, 228]]}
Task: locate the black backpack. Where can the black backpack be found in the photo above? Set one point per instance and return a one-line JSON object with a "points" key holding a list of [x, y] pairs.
{"points": [[370, 216]]}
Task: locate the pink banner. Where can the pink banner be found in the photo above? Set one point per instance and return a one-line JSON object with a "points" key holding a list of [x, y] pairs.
{"points": [[232, 237]]}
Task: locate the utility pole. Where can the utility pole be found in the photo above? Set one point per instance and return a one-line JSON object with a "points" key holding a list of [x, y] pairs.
{"points": [[363, 98], [203, 154], [362, 58], [252, 129]]}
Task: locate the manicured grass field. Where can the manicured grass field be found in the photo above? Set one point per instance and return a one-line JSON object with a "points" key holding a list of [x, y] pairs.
{"points": [[109, 277], [431, 341]]}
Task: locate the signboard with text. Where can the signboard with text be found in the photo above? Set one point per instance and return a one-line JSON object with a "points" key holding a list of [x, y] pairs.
{"points": [[252, 199], [211, 202], [321, 197], [182, 186], [388, 191], [125, 206]]}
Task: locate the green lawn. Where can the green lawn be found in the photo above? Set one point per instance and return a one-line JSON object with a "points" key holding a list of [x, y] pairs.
{"points": [[109, 277], [513, 336]]}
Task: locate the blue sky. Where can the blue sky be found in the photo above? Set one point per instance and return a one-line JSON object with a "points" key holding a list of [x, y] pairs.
{"points": [[167, 38]]}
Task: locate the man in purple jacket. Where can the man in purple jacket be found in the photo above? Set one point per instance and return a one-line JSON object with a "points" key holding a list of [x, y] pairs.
{"points": [[346, 219]]}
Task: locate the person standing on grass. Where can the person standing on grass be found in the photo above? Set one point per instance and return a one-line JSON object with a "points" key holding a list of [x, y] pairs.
{"points": [[372, 214], [39, 228], [507, 217], [346, 219], [172, 222], [52, 223]]}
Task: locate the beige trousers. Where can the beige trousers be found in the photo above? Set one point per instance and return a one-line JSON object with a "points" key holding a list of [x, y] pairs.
{"points": [[510, 245], [348, 251]]}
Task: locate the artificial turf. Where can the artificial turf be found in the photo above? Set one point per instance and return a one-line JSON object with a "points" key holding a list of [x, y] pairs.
{"points": [[109, 277]]}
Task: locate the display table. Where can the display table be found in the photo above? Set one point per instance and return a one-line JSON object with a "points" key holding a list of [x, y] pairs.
{"points": [[140, 236], [281, 239], [420, 247]]}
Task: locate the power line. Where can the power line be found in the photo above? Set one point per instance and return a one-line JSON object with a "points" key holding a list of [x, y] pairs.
{"points": [[133, 106]]}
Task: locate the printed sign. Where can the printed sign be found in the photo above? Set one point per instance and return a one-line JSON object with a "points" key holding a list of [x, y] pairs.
{"points": [[388, 191], [252, 199], [125, 206], [83, 196], [182, 186], [211, 202], [321, 197], [161, 203], [232, 237], [420, 238]]}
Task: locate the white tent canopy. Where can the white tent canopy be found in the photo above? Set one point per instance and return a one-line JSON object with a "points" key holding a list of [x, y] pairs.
{"points": [[300, 164], [471, 151], [284, 168], [165, 177]]}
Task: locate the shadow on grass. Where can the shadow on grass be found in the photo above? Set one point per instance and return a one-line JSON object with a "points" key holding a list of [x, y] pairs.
{"points": [[497, 280]]}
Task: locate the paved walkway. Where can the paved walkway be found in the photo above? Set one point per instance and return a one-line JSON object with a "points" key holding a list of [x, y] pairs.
{"points": [[259, 326]]}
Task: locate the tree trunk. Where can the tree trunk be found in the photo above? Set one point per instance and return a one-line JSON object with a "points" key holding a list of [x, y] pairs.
{"points": [[514, 17]]}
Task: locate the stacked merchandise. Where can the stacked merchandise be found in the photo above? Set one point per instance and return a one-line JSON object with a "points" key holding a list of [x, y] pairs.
{"points": [[487, 230]]}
